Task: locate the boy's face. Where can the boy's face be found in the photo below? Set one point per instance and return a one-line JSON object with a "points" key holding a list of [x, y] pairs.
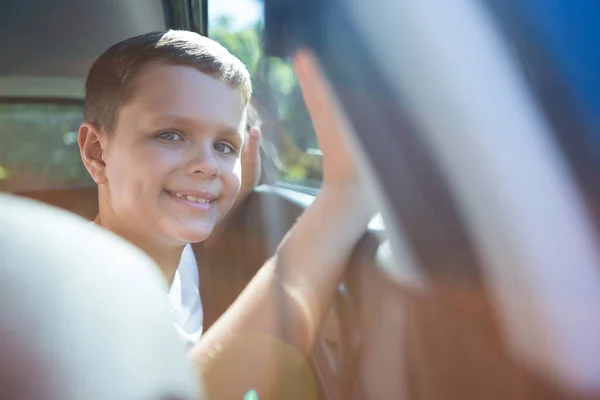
{"points": [[172, 164]]}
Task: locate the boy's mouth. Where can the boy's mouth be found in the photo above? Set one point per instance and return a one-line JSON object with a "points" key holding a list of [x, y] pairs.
{"points": [[201, 198]]}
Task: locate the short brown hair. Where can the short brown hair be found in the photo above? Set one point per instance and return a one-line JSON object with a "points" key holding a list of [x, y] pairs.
{"points": [[111, 80]]}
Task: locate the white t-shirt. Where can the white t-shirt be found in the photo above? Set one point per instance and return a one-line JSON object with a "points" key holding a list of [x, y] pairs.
{"points": [[184, 298]]}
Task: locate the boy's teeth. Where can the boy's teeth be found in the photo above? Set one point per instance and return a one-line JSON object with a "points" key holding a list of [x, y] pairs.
{"points": [[192, 198]]}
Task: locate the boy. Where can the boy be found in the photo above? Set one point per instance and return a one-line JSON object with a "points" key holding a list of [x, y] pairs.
{"points": [[163, 132]]}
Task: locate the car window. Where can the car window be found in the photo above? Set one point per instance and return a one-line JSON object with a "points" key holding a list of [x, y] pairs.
{"points": [[38, 146], [290, 140]]}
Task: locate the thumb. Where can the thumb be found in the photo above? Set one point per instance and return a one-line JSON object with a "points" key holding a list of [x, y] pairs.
{"points": [[252, 145]]}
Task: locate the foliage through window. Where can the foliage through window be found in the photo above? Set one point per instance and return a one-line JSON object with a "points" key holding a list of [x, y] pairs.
{"points": [[238, 26], [38, 147]]}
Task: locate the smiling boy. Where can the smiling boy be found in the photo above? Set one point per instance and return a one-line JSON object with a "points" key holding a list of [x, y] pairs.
{"points": [[162, 138]]}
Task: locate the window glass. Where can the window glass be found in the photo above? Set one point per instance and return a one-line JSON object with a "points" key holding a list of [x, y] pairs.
{"points": [[38, 147], [290, 142]]}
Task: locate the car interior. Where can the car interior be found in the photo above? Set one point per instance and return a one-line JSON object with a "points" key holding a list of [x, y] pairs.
{"points": [[452, 293], [35, 73]]}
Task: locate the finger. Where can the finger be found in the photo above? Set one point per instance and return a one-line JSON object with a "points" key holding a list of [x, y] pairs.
{"points": [[328, 120], [317, 94], [252, 145], [312, 85]]}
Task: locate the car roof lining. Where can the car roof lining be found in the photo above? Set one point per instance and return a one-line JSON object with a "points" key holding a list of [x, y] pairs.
{"points": [[41, 87], [48, 47]]}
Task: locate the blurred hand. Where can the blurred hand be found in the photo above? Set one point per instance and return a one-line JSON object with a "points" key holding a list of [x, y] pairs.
{"points": [[338, 165]]}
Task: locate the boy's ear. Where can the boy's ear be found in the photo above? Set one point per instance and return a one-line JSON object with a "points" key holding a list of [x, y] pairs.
{"points": [[92, 144]]}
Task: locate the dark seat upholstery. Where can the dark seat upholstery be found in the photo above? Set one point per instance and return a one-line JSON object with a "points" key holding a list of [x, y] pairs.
{"points": [[81, 201]]}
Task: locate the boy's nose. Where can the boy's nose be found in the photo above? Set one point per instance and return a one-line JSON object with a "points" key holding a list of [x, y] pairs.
{"points": [[208, 172], [205, 165]]}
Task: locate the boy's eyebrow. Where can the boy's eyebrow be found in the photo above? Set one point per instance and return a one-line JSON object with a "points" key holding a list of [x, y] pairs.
{"points": [[227, 131], [175, 119]]}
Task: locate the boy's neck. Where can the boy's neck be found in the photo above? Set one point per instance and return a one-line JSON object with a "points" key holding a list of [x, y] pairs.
{"points": [[167, 257]]}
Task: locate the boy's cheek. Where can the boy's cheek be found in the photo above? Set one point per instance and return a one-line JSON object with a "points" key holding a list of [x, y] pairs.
{"points": [[237, 169], [237, 176], [235, 188]]}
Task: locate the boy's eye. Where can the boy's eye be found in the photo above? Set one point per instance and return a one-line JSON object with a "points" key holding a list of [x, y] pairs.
{"points": [[224, 148], [169, 136]]}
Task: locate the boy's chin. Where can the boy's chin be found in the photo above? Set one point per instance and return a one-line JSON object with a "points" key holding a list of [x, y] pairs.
{"points": [[192, 233]]}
